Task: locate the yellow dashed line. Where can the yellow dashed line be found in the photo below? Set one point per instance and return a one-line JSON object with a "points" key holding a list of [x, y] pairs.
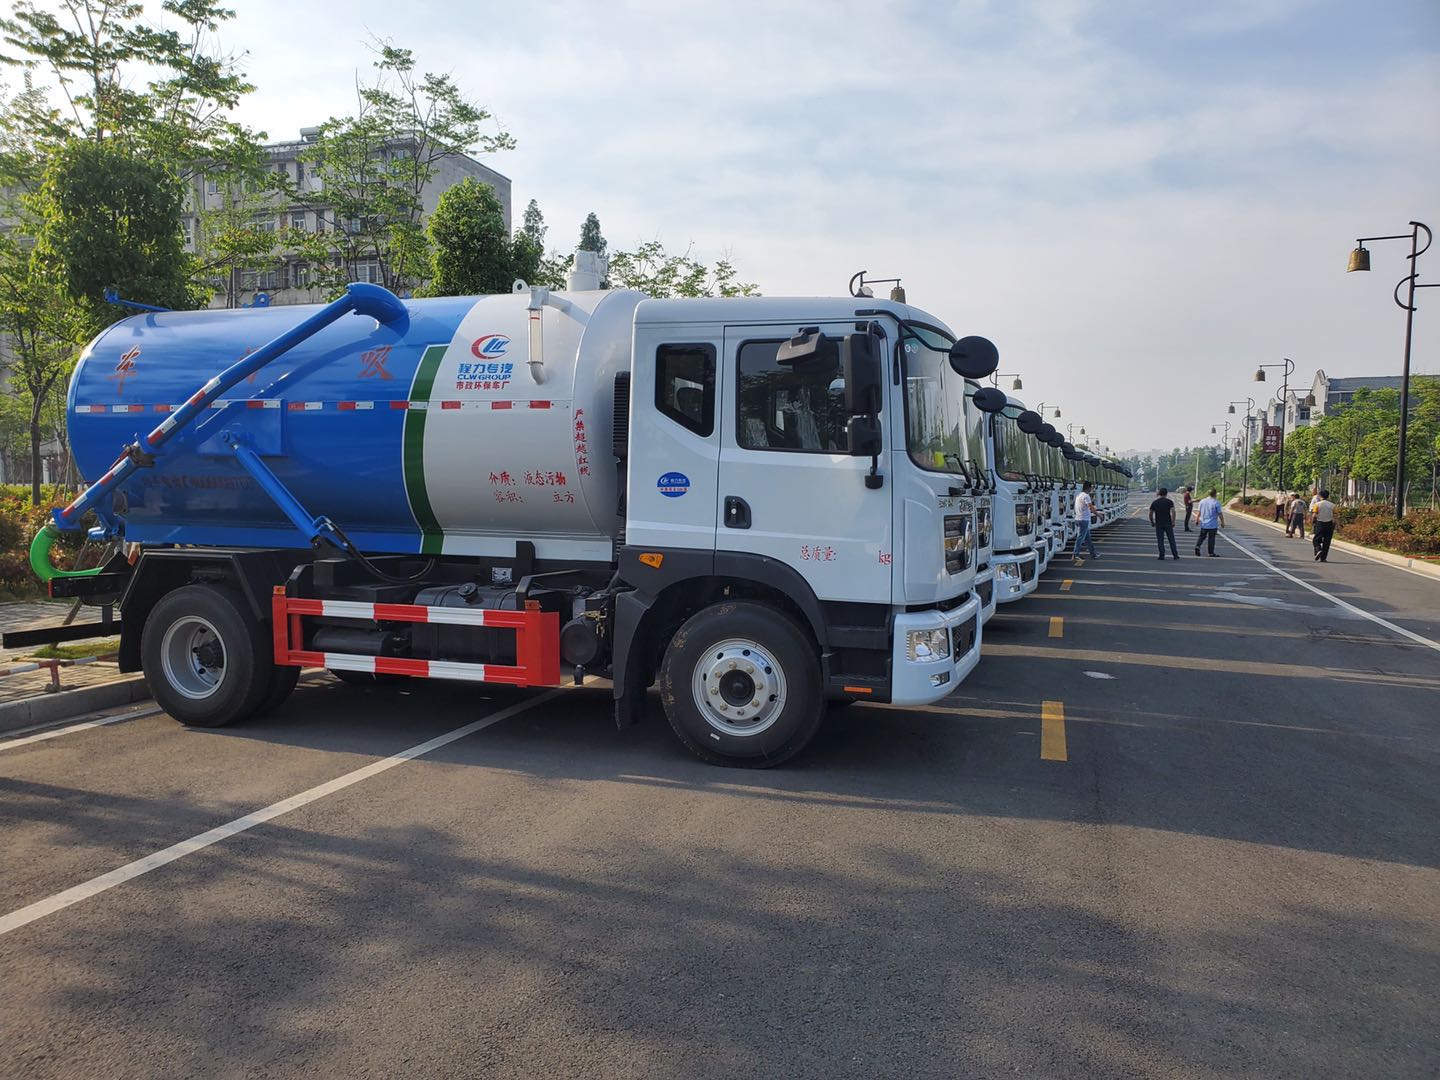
{"points": [[1052, 731], [1065, 585], [1057, 626]]}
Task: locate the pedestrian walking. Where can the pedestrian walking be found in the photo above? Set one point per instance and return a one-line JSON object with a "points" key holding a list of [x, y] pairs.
{"points": [[1162, 520], [1084, 510], [1297, 516], [1280, 504], [1211, 519], [1322, 526], [1189, 506]]}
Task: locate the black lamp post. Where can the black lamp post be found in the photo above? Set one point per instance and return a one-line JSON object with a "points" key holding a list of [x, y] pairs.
{"points": [[1224, 454], [1016, 385], [1249, 418], [1360, 260], [1289, 366], [1070, 430]]}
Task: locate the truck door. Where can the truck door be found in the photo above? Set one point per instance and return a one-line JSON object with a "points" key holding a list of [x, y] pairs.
{"points": [[788, 488]]}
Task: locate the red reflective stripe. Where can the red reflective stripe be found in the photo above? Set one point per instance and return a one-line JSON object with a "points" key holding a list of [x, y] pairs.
{"points": [[346, 406], [198, 397], [299, 658], [254, 403], [135, 408], [295, 406], [394, 665], [501, 404], [305, 607], [402, 612], [539, 404], [400, 404], [450, 405], [162, 408]]}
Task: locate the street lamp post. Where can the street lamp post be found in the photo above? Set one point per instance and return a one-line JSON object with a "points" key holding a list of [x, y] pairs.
{"points": [[1070, 431], [1289, 366], [1360, 260], [997, 376], [1245, 472], [1054, 409], [1224, 453]]}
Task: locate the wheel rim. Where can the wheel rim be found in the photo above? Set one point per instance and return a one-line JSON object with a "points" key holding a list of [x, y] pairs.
{"points": [[193, 657], [739, 687]]}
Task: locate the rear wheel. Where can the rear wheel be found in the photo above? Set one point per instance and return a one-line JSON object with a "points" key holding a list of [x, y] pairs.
{"points": [[741, 685], [205, 659]]}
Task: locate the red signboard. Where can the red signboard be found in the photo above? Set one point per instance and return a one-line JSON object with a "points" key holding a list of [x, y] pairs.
{"points": [[1272, 440]]}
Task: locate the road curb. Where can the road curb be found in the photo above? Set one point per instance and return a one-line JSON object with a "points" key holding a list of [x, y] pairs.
{"points": [[47, 708], [1402, 562]]}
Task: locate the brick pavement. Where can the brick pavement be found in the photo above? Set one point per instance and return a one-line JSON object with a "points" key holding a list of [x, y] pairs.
{"points": [[27, 615]]}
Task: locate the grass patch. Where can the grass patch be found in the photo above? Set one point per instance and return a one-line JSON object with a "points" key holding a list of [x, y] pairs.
{"points": [[78, 650]]}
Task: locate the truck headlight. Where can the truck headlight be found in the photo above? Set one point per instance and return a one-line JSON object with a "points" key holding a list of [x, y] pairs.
{"points": [[923, 646], [1008, 569]]}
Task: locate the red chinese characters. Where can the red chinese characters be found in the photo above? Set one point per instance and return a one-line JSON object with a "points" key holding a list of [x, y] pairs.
{"points": [[817, 553], [582, 447]]}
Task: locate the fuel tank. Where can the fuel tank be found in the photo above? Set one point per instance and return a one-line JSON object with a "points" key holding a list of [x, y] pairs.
{"points": [[457, 430]]}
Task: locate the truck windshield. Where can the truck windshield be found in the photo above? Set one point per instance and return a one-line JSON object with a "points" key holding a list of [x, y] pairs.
{"points": [[1012, 457], [941, 433]]}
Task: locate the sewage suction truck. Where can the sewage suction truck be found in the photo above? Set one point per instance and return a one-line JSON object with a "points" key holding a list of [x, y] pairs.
{"points": [[760, 504]]}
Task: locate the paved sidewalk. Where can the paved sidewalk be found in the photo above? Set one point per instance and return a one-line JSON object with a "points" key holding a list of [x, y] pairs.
{"points": [[28, 615]]}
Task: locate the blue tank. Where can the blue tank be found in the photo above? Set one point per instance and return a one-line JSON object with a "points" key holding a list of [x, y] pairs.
{"points": [[453, 429]]}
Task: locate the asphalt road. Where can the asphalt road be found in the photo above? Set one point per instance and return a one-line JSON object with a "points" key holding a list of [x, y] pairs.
{"points": [[1182, 821]]}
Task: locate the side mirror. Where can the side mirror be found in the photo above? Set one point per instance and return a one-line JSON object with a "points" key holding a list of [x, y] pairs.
{"points": [[1046, 433], [989, 399], [810, 353], [863, 377], [974, 357], [1029, 422], [863, 433]]}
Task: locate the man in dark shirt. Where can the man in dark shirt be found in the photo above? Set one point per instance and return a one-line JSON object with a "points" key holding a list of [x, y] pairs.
{"points": [[1189, 503], [1162, 519]]}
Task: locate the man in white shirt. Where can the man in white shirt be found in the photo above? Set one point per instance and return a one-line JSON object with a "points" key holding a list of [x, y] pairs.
{"points": [[1084, 510], [1322, 522], [1212, 519]]}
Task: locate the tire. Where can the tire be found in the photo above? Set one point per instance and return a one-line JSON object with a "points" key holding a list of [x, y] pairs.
{"points": [[283, 678], [711, 659], [207, 662]]}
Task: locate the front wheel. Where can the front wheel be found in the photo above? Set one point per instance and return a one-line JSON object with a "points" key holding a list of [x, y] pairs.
{"points": [[205, 659], [741, 685]]}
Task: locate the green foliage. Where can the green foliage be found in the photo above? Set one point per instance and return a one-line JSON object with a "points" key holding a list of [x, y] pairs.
{"points": [[160, 87], [473, 254], [535, 228], [653, 270], [109, 216], [591, 239], [20, 520], [376, 164]]}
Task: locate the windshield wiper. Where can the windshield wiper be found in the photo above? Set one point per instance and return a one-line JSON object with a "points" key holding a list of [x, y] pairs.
{"points": [[959, 464]]}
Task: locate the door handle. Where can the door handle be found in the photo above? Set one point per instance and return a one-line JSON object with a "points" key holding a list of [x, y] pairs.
{"points": [[737, 512]]}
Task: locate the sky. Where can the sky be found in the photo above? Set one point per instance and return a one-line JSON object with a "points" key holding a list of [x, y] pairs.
{"points": [[1138, 202]]}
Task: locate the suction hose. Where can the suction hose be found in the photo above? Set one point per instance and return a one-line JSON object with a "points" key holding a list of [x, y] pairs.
{"points": [[40, 557]]}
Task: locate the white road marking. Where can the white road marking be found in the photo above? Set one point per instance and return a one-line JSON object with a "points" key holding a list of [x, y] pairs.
{"points": [[51, 904], [1099, 675], [1419, 639], [55, 733]]}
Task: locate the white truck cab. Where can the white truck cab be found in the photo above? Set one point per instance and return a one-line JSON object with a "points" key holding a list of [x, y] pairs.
{"points": [[1017, 561], [812, 453]]}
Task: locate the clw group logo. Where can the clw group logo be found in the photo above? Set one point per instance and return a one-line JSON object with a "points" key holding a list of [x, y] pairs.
{"points": [[491, 346]]}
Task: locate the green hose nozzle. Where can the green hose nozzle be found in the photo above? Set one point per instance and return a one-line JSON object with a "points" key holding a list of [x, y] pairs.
{"points": [[40, 557]]}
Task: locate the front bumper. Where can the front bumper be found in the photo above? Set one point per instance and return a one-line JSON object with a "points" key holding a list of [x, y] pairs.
{"points": [[915, 682], [985, 590], [1016, 576]]}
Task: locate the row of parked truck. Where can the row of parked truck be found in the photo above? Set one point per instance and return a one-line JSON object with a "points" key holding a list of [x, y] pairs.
{"points": [[764, 506]]}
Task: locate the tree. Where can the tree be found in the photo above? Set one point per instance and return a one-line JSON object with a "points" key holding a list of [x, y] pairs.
{"points": [[35, 319], [111, 217], [376, 164], [591, 239], [472, 253], [535, 228], [654, 271]]}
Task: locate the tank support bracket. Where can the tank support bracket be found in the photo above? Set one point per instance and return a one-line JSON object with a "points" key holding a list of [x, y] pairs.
{"points": [[315, 529]]}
